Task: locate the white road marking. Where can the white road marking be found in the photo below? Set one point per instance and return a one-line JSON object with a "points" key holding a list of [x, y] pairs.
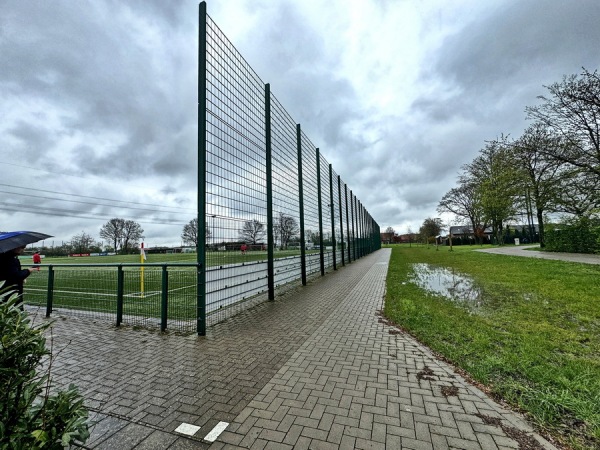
{"points": [[186, 428], [216, 431]]}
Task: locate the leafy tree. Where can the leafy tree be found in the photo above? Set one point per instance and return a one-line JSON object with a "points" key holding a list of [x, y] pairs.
{"points": [[252, 232], [497, 184], [431, 227], [572, 110], [31, 418], [541, 174], [286, 228]]}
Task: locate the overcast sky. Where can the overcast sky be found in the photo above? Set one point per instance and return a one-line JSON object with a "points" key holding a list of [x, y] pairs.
{"points": [[98, 99]]}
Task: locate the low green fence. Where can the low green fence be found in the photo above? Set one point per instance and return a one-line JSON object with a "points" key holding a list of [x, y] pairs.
{"points": [[149, 295]]}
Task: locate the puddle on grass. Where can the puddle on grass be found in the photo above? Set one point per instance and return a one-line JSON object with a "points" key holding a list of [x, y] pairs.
{"points": [[457, 287]]}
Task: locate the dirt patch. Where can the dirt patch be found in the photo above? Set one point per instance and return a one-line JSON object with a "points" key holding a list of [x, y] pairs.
{"points": [[426, 374], [525, 441], [449, 391]]}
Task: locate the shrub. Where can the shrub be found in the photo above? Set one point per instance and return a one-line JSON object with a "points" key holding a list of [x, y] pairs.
{"points": [[31, 417], [579, 235]]}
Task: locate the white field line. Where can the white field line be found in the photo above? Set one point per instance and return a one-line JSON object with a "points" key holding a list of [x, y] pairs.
{"points": [[216, 431]]}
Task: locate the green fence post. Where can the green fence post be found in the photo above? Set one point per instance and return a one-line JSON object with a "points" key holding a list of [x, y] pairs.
{"points": [[332, 207], [120, 283], [347, 223], [50, 292], [201, 250], [269, 173], [301, 205], [164, 298], [339, 183], [320, 206], [353, 217], [356, 237], [361, 228]]}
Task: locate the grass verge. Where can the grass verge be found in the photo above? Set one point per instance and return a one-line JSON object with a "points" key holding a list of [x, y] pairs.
{"points": [[532, 337]]}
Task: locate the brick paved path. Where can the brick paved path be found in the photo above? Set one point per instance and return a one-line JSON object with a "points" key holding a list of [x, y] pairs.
{"points": [[522, 250], [318, 368]]}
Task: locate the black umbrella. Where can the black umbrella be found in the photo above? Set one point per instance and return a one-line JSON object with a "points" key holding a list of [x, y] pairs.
{"points": [[16, 239]]}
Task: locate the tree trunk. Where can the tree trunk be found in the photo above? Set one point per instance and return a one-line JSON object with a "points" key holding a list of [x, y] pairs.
{"points": [[540, 218]]}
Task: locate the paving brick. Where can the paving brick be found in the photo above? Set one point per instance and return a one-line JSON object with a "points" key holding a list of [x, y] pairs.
{"points": [[336, 433], [313, 369], [292, 435]]}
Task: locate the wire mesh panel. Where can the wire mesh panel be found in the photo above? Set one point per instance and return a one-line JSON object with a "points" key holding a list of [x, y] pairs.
{"points": [[181, 299], [94, 291], [286, 204], [256, 183], [352, 229], [337, 226], [311, 205], [251, 181], [236, 218], [326, 213], [84, 291]]}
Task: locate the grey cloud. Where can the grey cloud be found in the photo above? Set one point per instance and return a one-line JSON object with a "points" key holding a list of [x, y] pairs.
{"points": [[522, 39], [67, 54]]}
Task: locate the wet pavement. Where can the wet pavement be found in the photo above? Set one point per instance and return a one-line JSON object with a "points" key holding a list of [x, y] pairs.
{"points": [[523, 250], [317, 368]]}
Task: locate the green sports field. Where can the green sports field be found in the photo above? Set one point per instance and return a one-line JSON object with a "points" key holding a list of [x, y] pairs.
{"points": [[90, 283]]}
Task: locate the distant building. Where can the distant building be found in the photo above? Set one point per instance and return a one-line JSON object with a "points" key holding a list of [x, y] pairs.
{"points": [[387, 238], [464, 233]]}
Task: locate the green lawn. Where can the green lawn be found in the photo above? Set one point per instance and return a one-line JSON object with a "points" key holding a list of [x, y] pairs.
{"points": [[532, 334]]}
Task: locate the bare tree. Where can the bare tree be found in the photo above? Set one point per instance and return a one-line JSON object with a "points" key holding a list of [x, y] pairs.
{"points": [[579, 193], [464, 202], [410, 235], [122, 233], [252, 232], [81, 243], [189, 235], [286, 228], [132, 234], [572, 110], [112, 231]]}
